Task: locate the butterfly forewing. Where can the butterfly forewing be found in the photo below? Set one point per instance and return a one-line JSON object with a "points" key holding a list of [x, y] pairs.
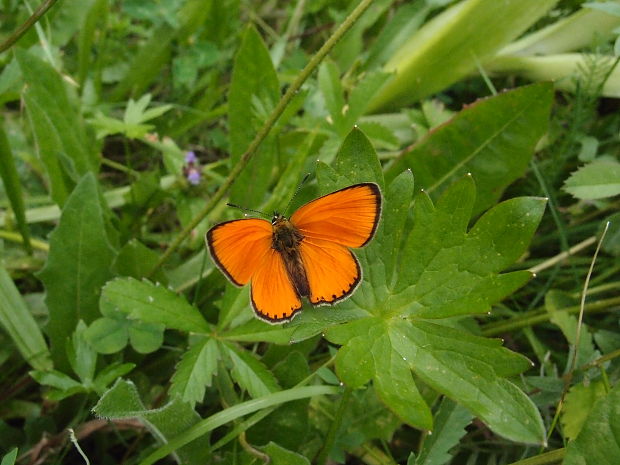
{"points": [[348, 217], [239, 246]]}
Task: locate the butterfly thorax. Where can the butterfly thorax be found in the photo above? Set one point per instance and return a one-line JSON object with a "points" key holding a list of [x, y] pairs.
{"points": [[286, 240]]}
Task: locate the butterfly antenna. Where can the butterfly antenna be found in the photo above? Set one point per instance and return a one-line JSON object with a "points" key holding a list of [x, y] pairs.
{"points": [[301, 184], [247, 209]]}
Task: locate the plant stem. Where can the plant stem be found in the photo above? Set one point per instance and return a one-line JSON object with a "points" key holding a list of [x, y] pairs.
{"points": [[563, 255], [21, 30], [264, 130], [539, 316], [334, 427]]}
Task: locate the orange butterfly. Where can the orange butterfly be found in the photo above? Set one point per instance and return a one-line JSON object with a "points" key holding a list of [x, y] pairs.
{"points": [[304, 256]]}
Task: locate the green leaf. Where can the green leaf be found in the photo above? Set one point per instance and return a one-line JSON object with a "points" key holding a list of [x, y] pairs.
{"points": [[55, 379], [450, 422], [407, 19], [429, 265], [598, 442], [20, 326], [146, 337], [596, 180], [250, 373], [169, 421], [13, 188], [280, 456], [333, 95], [578, 404], [82, 357], [58, 128], [136, 260], [77, 266], [111, 373], [288, 425], [448, 47], [10, 457], [493, 139], [254, 91], [151, 303], [147, 63], [195, 371], [108, 335]]}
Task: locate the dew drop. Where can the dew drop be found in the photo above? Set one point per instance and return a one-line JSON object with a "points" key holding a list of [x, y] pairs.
{"points": [[150, 299]]}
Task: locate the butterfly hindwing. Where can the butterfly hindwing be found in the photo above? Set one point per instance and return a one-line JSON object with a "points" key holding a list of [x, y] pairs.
{"points": [[238, 247], [273, 296], [333, 271], [347, 217]]}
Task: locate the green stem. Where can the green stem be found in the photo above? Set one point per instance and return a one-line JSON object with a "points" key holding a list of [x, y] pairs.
{"points": [[20, 31], [334, 427], [540, 316], [264, 130], [225, 416]]}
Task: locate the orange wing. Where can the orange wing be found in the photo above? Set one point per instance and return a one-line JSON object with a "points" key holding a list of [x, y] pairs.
{"points": [[332, 270], [273, 296], [348, 217], [238, 247]]}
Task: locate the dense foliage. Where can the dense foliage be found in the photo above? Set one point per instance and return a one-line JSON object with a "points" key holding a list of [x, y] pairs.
{"points": [[128, 125]]}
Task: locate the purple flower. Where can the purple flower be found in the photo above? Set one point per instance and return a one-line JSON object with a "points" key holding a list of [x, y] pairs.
{"points": [[190, 157], [193, 176]]}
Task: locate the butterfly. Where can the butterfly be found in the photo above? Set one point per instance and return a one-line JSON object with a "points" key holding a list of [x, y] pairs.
{"points": [[305, 256]]}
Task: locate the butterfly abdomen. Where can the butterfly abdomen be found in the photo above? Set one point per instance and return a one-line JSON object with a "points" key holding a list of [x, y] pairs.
{"points": [[286, 241]]}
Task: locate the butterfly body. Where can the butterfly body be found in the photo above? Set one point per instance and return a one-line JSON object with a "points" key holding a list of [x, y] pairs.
{"points": [[286, 241], [306, 255]]}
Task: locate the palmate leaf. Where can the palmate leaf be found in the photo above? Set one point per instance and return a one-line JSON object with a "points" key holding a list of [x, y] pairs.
{"points": [[427, 265]]}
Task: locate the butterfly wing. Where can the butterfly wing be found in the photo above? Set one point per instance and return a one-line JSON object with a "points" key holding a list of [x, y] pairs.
{"points": [[238, 247], [273, 296], [348, 217], [333, 271]]}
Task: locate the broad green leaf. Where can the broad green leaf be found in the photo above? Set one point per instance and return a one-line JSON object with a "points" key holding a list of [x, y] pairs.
{"points": [[62, 143], [598, 442], [448, 47], [578, 404], [249, 372], [254, 91], [395, 385], [20, 326], [407, 19], [13, 188], [195, 371], [55, 379], [450, 422], [596, 180], [165, 423], [493, 139], [278, 455], [434, 266], [151, 303], [77, 266]]}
